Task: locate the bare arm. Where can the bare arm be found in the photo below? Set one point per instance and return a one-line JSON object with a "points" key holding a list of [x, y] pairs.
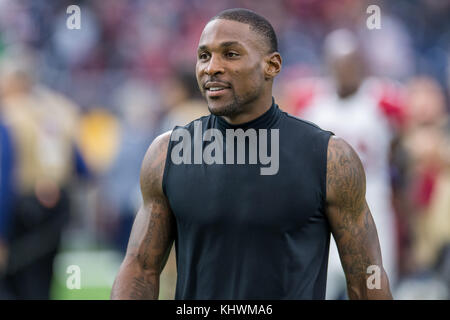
{"points": [[152, 234], [351, 222]]}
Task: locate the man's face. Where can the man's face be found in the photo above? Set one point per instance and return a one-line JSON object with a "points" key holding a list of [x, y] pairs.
{"points": [[230, 66]]}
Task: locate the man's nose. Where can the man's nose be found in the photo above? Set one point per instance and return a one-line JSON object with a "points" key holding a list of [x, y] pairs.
{"points": [[214, 66]]}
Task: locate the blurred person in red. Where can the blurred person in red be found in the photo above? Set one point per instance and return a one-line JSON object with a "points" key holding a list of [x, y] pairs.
{"points": [[423, 197], [44, 126], [427, 143], [355, 107]]}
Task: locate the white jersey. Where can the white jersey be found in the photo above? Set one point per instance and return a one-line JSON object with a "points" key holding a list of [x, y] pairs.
{"points": [[361, 122]]}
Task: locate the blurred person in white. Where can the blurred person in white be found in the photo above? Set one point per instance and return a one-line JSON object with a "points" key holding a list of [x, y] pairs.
{"points": [[350, 104], [44, 126]]}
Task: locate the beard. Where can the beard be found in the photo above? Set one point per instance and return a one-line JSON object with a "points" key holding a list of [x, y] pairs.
{"points": [[236, 106], [230, 110]]}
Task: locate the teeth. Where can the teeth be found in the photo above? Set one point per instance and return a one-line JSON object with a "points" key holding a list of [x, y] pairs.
{"points": [[215, 89]]}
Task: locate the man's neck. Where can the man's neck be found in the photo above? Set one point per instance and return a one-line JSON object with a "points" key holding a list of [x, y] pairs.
{"points": [[253, 113]]}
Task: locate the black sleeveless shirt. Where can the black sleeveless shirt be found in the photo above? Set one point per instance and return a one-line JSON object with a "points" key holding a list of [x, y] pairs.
{"points": [[243, 233]]}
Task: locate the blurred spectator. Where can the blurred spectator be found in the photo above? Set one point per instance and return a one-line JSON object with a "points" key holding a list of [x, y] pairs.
{"points": [[182, 99], [427, 143], [98, 138], [43, 125], [349, 104], [120, 196], [6, 194]]}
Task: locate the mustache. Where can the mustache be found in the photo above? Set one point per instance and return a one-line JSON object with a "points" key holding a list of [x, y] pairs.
{"points": [[215, 79]]}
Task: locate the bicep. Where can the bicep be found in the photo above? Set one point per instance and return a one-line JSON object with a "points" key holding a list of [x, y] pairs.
{"points": [[349, 216], [153, 230]]}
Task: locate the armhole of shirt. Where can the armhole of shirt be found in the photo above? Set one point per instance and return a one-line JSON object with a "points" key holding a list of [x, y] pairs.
{"points": [[167, 163], [323, 182]]}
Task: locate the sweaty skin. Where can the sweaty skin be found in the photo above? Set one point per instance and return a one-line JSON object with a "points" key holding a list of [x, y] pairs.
{"points": [[154, 229]]}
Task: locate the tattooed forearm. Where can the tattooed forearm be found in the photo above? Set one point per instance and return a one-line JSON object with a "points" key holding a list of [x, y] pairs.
{"points": [[350, 219], [153, 250], [133, 283], [141, 289]]}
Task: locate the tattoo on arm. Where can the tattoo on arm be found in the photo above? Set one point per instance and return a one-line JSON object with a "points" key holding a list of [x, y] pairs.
{"points": [[141, 289], [152, 234], [350, 219]]}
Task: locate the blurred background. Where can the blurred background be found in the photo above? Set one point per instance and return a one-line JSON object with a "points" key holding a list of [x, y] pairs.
{"points": [[79, 107]]}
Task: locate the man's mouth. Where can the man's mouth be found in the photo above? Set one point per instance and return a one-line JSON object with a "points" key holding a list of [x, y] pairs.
{"points": [[215, 89]]}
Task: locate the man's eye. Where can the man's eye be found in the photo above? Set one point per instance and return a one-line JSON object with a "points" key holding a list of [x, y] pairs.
{"points": [[231, 54], [203, 56]]}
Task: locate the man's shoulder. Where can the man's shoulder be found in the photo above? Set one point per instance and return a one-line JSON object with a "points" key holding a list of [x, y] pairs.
{"points": [[161, 142], [305, 125], [153, 165], [157, 150], [190, 125]]}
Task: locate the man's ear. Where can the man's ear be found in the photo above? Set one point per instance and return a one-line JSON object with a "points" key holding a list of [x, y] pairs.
{"points": [[272, 66]]}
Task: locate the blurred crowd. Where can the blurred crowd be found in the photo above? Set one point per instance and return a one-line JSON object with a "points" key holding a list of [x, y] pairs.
{"points": [[79, 108]]}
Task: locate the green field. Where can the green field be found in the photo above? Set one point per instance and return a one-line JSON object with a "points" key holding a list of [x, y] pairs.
{"points": [[98, 269]]}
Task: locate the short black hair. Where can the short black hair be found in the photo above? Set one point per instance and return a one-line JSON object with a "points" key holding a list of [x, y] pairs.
{"points": [[257, 23]]}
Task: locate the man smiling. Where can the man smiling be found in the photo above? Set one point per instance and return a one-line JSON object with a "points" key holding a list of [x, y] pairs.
{"points": [[239, 234]]}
